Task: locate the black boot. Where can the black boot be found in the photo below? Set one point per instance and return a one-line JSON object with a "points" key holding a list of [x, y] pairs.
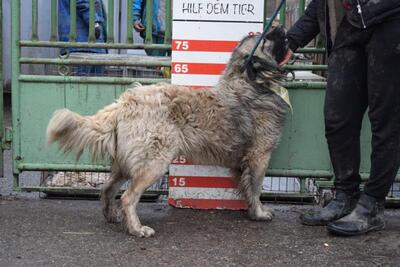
{"points": [[366, 217], [341, 205]]}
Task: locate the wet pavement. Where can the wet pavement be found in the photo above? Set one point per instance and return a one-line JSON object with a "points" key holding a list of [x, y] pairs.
{"points": [[43, 232]]}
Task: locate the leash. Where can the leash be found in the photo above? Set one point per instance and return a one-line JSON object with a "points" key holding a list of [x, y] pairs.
{"points": [[266, 29]]}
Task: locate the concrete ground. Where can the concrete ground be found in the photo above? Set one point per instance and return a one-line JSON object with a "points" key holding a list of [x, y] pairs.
{"points": [[42, 232]]}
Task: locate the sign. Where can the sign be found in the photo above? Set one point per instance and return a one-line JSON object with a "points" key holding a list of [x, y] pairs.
{"points": [[205, 32]]}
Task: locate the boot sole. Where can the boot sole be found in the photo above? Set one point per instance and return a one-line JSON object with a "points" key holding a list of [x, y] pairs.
{"points": [[344, 233]]}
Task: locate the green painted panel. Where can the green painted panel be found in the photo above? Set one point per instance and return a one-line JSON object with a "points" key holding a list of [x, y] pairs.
{"points": [[37, 104], [302, 148], [303, 144]]}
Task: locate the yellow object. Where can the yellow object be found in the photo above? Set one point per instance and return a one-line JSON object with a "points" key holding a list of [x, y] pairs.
{"points": [[282, 92]]}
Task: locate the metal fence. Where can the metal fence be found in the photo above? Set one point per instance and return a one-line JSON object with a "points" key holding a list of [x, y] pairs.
{"points": [[299, 173]]}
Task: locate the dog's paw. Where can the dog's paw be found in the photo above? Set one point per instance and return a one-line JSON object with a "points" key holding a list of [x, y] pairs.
{"points": [[113, 215], [143, 231], [267, 209], [264, 216], [261, 214]]}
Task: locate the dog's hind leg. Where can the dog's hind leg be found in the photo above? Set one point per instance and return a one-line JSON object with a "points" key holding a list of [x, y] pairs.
{"points": [[148, 174], [111, 209], [254, 167]]}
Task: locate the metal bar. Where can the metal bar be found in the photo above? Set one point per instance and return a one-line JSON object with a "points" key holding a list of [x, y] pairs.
{"points": [[282, 15], [305, 67], [92, 12], [1, 72], [72, 21], [110, 22], [54, 26], [97, 191], [34, 35], [15, 89], [27, 43], [311, 50], [302, 7], [168, 22], [304, 85], [89, 80], [129, 21], [365, 177], [1, 91], [62, 167], [302, 185], [295, 196], [149, 22], [16, 187], [58, 61], [127, 81], [300, 173], [265, 13], [74, 190], [101, 168]]}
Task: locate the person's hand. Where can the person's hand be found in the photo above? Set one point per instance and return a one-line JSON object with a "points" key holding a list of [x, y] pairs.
{"points": [[97, 30], [287, 57], [138, 26]]}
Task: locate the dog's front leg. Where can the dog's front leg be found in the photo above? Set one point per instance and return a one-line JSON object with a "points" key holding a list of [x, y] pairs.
{"points": [[254, 167]]}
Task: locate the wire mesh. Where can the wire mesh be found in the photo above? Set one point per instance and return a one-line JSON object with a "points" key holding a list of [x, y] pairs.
{"points": [[284, 187], [87, 180], [395, 191]]}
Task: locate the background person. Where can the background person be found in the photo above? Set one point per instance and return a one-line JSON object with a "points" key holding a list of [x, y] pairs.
{"points": [[158, 23], [82, 32]]}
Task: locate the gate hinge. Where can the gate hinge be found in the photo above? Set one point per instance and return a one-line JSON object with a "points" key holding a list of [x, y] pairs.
{"points": [[7, 139]]}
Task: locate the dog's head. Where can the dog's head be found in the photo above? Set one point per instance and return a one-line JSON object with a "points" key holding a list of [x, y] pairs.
{"points": [[276, 44], [264, 63]]}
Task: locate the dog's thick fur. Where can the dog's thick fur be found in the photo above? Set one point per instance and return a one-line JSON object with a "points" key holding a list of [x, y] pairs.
{"points": [[237, 124]]}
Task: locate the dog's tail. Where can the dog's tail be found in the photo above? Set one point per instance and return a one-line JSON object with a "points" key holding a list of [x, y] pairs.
{"points": [[75, 132]]}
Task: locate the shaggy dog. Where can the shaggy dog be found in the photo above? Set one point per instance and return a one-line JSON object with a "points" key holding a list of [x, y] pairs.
{"points": [[236, 124]]}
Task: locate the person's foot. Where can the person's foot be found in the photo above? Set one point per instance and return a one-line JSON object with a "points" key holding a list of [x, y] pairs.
{"points": [[366, 217], [341, 205]]}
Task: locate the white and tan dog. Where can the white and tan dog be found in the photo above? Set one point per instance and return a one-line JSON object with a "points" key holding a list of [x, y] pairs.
{"points": [[236, 124]]}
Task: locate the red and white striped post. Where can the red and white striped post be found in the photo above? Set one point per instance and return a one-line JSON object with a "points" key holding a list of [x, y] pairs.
{"points": [[204, 34]]}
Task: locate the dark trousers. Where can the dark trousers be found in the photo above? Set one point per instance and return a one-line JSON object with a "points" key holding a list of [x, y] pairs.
{"points": [[364, 72]]}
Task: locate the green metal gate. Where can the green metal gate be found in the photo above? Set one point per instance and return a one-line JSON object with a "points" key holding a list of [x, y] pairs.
{"points": [[302, 152]]}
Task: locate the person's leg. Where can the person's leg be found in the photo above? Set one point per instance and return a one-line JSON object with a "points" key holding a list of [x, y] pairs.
{"points": [[384, 112], [384, 107], [345, 104]]}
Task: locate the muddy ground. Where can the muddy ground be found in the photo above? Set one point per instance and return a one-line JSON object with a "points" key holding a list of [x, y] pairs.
{"points": [[42, 232]]}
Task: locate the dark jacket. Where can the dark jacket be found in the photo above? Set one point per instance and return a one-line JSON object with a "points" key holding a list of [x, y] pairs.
{"points": [[316, 18]]}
